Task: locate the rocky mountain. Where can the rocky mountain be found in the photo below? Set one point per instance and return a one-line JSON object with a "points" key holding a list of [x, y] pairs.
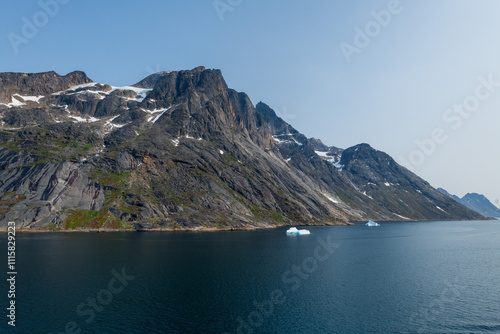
{"points": [[180, 150], [476, 202]]}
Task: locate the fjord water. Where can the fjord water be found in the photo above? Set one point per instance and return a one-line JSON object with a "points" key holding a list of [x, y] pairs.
{"points": [[426, 277]]}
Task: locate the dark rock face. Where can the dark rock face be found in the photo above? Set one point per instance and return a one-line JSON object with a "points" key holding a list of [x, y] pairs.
{"points": [[179, 150], [476, 202], [36, 84]]}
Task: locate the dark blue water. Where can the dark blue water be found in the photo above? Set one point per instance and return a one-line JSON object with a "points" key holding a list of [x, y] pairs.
{"points": [[430, 277]]}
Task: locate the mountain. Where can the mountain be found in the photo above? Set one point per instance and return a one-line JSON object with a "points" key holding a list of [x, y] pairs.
{"points": [[180, 150], [476, 202], [455, 197]]}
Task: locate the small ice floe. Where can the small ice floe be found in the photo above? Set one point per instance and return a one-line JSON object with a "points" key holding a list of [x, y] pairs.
{"points": [[371, 223], [294, 231]]}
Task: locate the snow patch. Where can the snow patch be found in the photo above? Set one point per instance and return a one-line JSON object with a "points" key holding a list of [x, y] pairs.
{"points": [[73, 88], [31, 98], [437, 207], [85, 120], [338, 165], [331, 199], [153, 119], [335, 161], [281, 141], [323, 154], [108, 122], [111, 125], [65, 106], [364, 193], [137, 90], [140, 92], [402, 217], [15, 103]]}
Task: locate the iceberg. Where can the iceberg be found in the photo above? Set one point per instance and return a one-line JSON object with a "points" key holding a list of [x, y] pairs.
{"points": [[371, 223], [294, 231]]}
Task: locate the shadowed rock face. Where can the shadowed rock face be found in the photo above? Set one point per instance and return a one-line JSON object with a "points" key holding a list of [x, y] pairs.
{"points": [[179, 150]]}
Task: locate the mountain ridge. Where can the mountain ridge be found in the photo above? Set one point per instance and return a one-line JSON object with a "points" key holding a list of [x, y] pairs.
{"points": [[184, 151]]}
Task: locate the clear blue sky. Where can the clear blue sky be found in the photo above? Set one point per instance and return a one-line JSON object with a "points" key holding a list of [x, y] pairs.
{"points": [[395, 90]]}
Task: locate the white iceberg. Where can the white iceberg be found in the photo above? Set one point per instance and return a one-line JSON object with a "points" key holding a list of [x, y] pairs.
{"points": [[294, 231], [371, 223]]}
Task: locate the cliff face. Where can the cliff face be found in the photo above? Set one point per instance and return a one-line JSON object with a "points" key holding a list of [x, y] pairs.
{"points": [[181, 150]]}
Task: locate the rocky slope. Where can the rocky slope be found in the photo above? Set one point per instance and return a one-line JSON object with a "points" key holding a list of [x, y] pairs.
{"points": [[476, 202], [180, 150]]}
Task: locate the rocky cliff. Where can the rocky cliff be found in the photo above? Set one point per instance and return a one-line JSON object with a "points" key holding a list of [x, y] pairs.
{"points": [[180, 150]]}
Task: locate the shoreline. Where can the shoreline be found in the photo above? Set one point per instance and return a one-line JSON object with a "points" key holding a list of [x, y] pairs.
{"points": [[196, 229], [211, 229]]}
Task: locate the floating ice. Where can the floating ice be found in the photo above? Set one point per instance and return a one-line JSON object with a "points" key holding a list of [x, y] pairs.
{"points": [[370, 223], [294, 231]]}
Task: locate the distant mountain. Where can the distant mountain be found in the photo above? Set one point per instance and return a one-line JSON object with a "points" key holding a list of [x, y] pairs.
{"points": [[476, 202], [180, 150], [455, 197]]}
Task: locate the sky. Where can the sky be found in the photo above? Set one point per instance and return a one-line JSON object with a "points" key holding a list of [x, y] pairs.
{"points": [[417, 79]]}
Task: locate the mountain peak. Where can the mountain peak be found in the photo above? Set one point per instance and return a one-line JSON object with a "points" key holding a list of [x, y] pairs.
{"points": [[476, 202], [150, 81], [318, 145], [362, 147], [362, 151], [199, 69]]}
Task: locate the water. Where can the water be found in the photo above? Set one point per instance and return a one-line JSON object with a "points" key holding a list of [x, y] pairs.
{"points": [[429, 277]]}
